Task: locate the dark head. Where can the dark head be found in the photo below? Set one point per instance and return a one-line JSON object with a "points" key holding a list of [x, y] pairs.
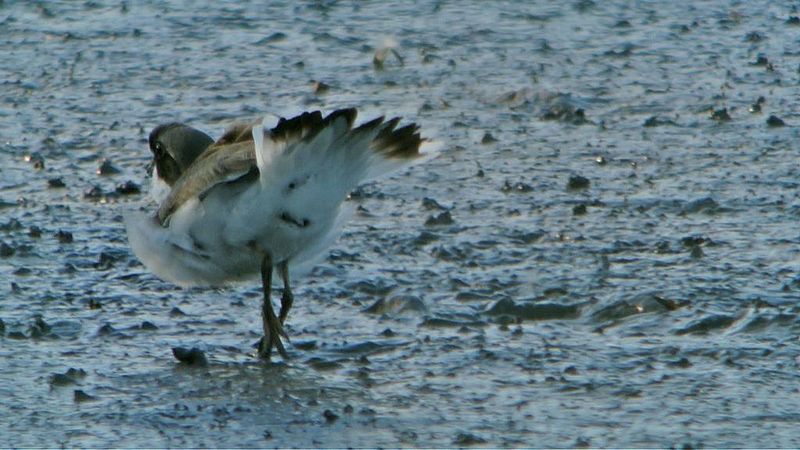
{"points": [[175, 146]]}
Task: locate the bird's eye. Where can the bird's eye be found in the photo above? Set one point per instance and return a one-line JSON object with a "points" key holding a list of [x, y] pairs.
{"points": [[158, 149]]}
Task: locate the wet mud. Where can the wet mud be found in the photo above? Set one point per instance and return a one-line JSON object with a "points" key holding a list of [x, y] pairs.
{"points": [[605, 253]]}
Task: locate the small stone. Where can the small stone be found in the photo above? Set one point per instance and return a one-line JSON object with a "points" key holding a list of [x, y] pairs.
{"points": [[148, 326], [775, 121], [64, 237], [443, 218], [429, 203], [176, 312], [756, 107], [721, 115], [105, 330], [106, 168], [128, 188], [579, 210], [518, 187], [488, 138], [56, 183], [761, 60], [466, 439], [577, 182], [652, 121], [81, 396], [330, 416], [94, 193], [62, 379], [793, 20], [190, 357], [697, 252]]}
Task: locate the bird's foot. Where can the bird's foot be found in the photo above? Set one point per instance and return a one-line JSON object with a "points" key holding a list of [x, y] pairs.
{"points": [[272, 339]]}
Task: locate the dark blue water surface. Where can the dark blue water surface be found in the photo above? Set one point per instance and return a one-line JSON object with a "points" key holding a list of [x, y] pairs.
{"points": [[605, 253]]}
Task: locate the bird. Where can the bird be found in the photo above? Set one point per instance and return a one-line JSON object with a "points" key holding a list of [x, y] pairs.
{"points": [[260, 200]]}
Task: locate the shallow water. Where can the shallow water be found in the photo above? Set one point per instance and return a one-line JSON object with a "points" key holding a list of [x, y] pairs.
{"points": [[488, 298]]}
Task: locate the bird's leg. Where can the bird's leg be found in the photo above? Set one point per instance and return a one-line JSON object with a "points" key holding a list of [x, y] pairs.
{"points": [[287, 298], [272, 326]]}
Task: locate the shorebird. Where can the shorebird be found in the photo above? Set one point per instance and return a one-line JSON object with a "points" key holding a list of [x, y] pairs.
{"points": [[259, 199]]}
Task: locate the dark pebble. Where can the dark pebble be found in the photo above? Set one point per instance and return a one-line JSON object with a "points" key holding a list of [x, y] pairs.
{"points": [[272, 38], [682, 363], [2, 327], [191, 357], [64, 237], [6, 250], [81, 396], [440, 219], [34, 231], [17, 335], [577, 182], [488, 138], [775, 121], [62, 379], [468, 439], [94, 304], [756, 107], [761, 61], [654, 121], [105, 330], [721, 115], [348, 409], [579, 210], [176, 312], [107, 168], [94, 193], [519, 187], [793, 20], [695, 240], [148, 326], [754, 36], [697, 252], [429, 203], [56, 183], [128, 188], [330, 416]]}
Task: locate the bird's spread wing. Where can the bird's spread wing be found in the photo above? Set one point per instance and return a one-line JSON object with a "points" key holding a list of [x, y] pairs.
{"points": [[307, 143]]}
